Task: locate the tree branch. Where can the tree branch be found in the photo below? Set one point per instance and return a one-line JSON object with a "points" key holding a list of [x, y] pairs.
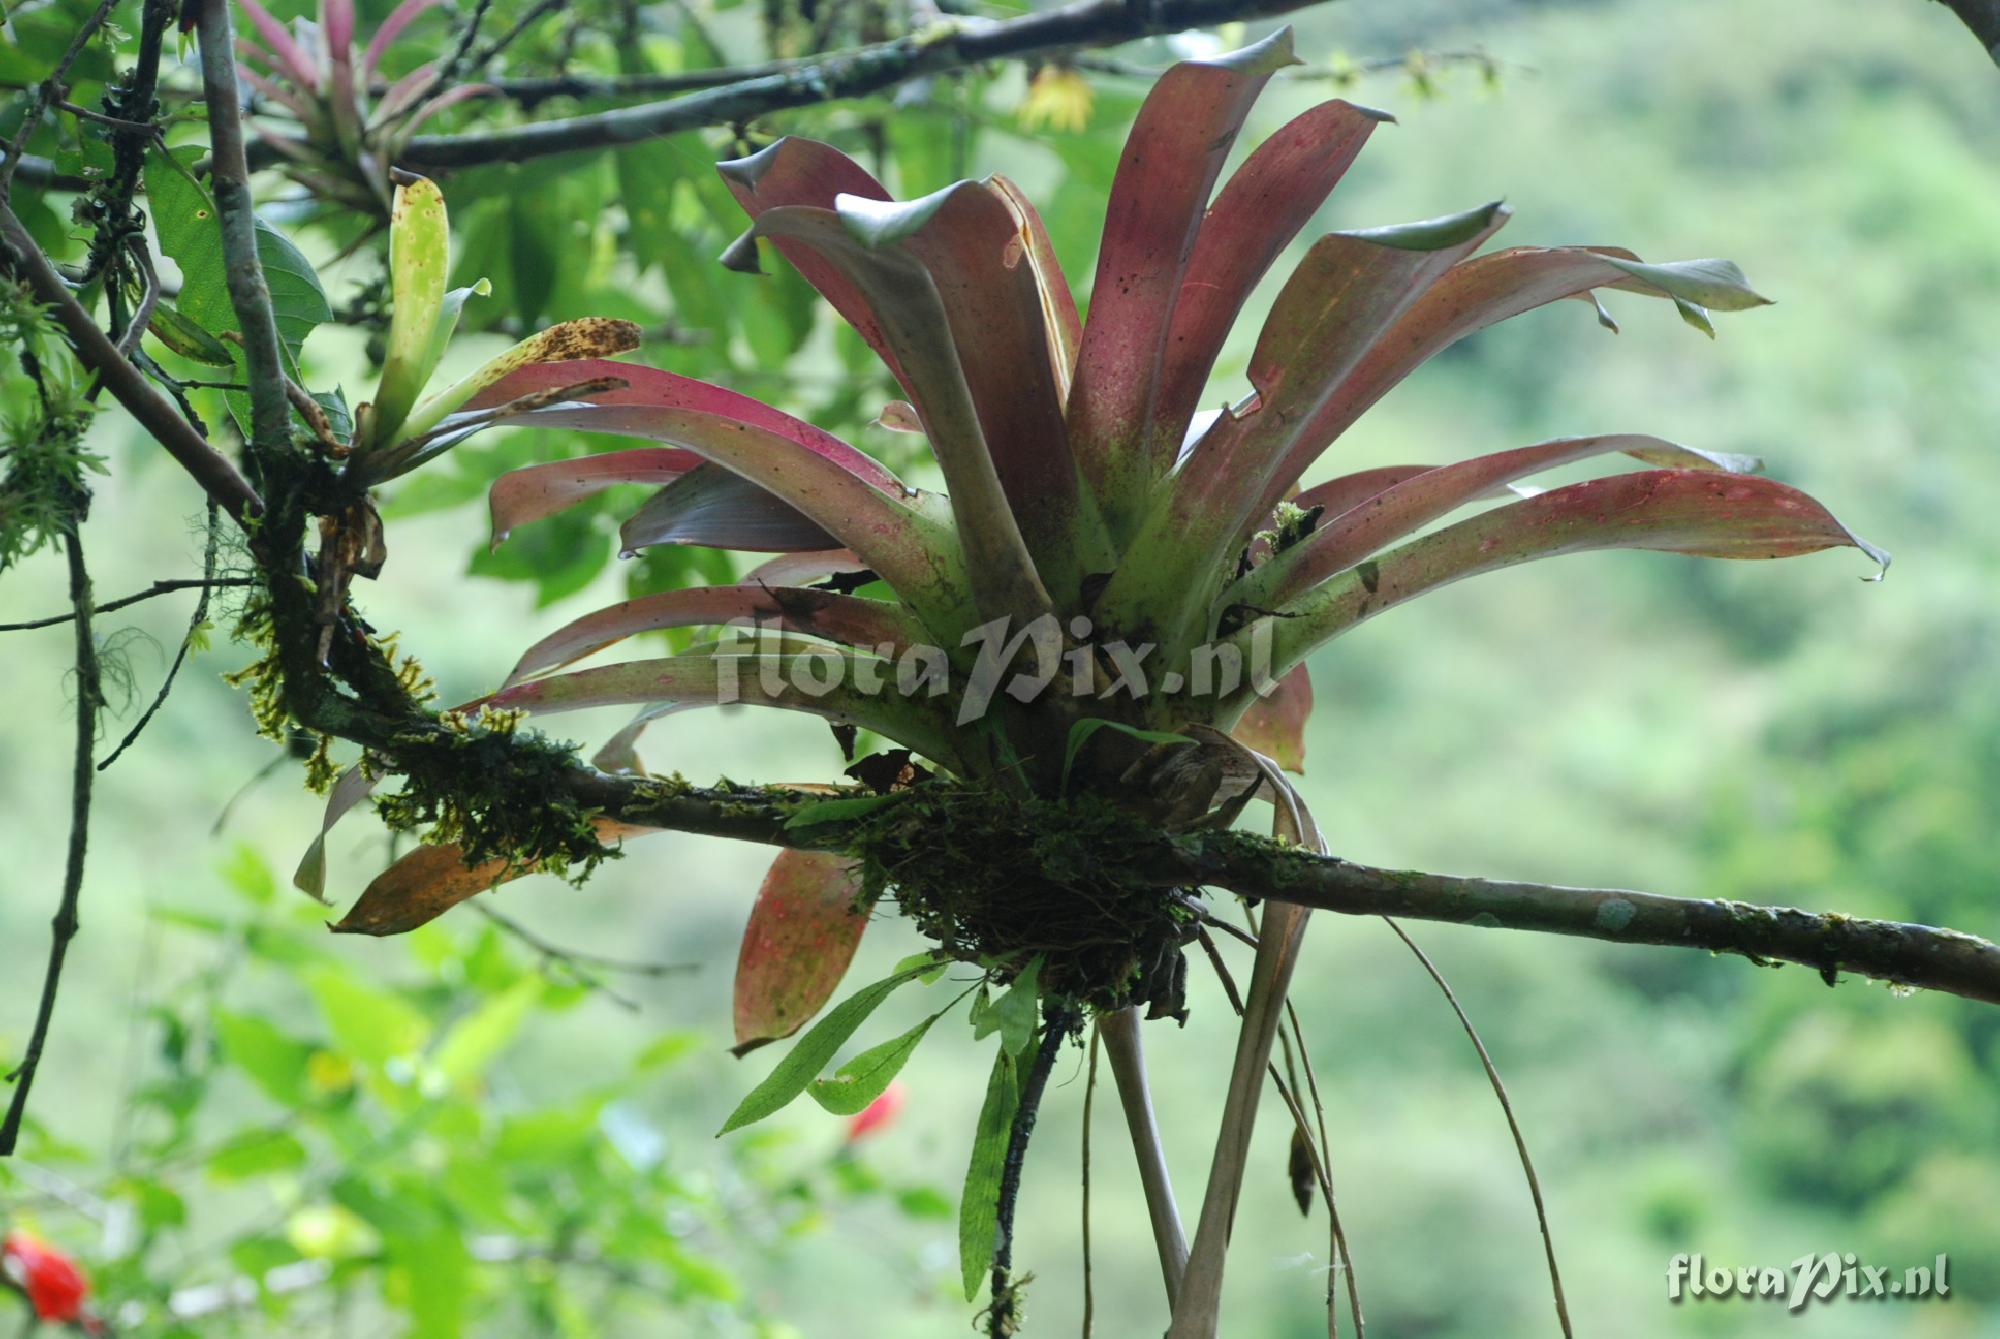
{"points": [[938, 49], [1829, 943], [1983, 17], [263, 362], [215, 472]]}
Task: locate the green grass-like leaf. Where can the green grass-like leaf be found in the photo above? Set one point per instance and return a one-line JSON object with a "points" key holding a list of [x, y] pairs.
{"points": [[810, 1055], [979, 1206]]}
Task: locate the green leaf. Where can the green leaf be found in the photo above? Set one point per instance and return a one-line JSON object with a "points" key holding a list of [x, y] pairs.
{"points": [[979, 1206], [1716, 284], [1013, 1014], [836, 811], [1434, 234], [419, 259], [190, 233], [1080, 733], [275, 1061], [810, 1055], [256, 1152], [474, 1040], [372, 1025], [863, 1079], [187, 339]]}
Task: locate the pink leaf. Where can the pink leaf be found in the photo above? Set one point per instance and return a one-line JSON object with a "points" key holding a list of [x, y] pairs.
{"points": [[1347, 291], [869, 624], [289, 53], [863, 242], [406, 91], [802, 933], [1706, 514], [843, 491], [1261, 208], [451, 98], [1276, 725], [795, 681], [1059, 316], [399, 18], [968, 240], [1342, 540], [1469, 297], [535, 491], [1169, 164], [797, 171]]}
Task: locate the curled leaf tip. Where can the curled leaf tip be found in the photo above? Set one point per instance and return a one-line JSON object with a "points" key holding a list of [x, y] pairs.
{"points": [[741, 254], [746, 172]]}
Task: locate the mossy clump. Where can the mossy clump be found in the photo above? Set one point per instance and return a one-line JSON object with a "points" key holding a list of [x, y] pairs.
{"points": [[492, 793], [996, 879]]}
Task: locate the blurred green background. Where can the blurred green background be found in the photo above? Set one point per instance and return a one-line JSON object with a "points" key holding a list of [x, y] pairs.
{"points": [[1772, 732]]}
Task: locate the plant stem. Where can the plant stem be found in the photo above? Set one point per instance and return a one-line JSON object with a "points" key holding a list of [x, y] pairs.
{"points": [[1126, 1051]]}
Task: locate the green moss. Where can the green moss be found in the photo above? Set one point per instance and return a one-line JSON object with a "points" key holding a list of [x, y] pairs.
{"points": [[992, 878]]}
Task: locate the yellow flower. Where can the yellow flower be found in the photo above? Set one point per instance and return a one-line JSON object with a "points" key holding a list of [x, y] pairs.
{"points": [[1058, 98]]}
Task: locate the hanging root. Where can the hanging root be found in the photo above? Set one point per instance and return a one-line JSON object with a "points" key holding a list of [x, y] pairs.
{"points": [[1003, 1312]]}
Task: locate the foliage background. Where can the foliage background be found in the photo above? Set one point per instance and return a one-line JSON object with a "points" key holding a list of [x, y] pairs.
{"points": [[1778, 733]]}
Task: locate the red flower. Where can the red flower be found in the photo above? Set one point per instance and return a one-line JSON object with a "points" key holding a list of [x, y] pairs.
{"points": [[877, 1114], [54, 1285]]}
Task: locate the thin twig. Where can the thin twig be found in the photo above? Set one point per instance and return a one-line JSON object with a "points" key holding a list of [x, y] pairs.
{"points": [[1089, 1093], [89, 698], [99, 118], [195, 622], [521, 25], [578, 963], [51, 89], [149, 297], [1341, 1251], [158, 588], [1507, 1107]]}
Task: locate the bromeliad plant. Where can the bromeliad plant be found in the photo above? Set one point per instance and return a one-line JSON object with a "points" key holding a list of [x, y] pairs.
{"points": [[345, 138], [1103, 554]]}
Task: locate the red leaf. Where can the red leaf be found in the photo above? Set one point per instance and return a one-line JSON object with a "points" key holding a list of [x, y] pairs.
{"points": [[1470, 297], [1677, 511], [792, 679], [1276, 725], [1260, 209], [802, 933], [865, 242], [1168, 166]]}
